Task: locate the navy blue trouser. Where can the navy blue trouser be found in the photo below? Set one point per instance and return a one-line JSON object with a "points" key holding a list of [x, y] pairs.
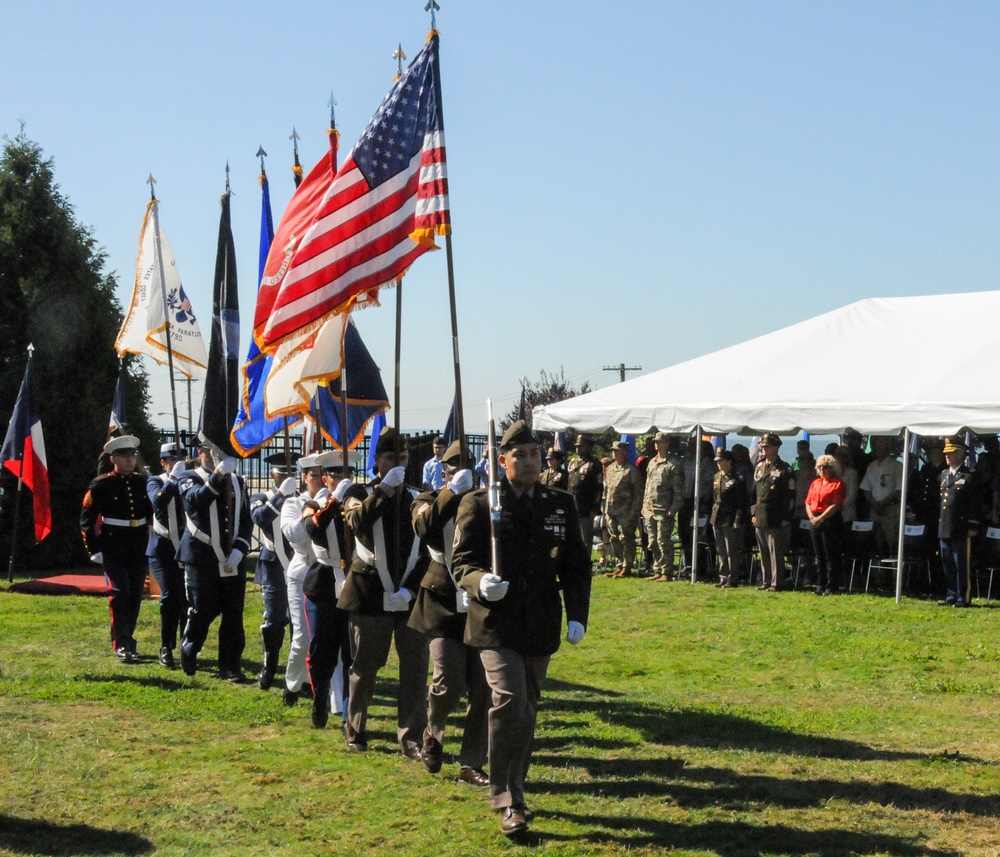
{"points": [[210, 596], [169, 575]]}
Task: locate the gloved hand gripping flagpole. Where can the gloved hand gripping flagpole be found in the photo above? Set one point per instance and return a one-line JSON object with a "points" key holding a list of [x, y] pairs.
{"points": [[494, 491]]}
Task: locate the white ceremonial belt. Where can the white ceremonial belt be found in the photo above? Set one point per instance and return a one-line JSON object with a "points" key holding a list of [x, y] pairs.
{"points": [[200, 535], [124, 522], [436, 555]]}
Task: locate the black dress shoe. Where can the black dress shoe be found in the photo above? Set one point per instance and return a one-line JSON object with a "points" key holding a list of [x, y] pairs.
{"points": [[235, 676], [265, 678], [357, 743], [167, 658], [473, 776], [527, 813], [121, 653], [411, 751], [431, 754], [132, 657], [289, 697], [512, 821]]}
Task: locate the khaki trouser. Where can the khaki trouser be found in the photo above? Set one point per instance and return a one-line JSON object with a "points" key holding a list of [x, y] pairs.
{"points": [[516, 684], [458, 670], [659, 528], [621, 534], [773, 544], [371, 637]]}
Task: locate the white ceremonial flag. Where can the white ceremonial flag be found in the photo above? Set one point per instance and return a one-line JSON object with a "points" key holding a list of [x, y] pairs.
{"points": [[299, 368], [157, 290]]}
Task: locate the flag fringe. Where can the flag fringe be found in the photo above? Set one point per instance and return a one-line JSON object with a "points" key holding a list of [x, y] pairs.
{"points": [[425, 236]]}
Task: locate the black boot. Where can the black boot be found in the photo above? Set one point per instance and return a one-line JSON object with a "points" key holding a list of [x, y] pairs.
{"points": [[321, 705], [272, 636]]}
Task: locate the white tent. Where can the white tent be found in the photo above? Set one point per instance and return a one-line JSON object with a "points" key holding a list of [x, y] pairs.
{"points": [[927, 364], [923, 365]]}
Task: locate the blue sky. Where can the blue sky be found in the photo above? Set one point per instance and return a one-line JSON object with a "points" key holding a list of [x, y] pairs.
{"points": [[637, 182]]}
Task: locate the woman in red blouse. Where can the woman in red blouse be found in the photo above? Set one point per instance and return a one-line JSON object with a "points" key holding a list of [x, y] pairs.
{"points": [[824, 502]]}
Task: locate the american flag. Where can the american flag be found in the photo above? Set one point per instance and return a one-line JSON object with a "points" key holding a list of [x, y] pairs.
{"points": [[382, 210]]}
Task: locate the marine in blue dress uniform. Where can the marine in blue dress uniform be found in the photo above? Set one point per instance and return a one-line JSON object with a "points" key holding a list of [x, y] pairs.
{"points": [[114, 523]]}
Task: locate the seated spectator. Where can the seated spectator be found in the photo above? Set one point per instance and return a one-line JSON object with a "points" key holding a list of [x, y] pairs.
{"points": [[849, 476], [882, 487]]}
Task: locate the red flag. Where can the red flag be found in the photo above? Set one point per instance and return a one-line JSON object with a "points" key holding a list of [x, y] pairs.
{"points": [[382, 211], [23, 454], [294, 223]]}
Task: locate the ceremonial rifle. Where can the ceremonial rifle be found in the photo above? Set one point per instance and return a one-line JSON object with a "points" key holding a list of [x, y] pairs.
{"points": [[494, 491]]}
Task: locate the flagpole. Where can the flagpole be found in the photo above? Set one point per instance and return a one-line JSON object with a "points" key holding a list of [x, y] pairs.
{"points": [[334, 146], [17, 497], [459, 410], [166, 315]]}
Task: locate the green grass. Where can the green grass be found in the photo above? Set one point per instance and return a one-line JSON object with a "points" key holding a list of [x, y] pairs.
{"points": [[691, 721]]}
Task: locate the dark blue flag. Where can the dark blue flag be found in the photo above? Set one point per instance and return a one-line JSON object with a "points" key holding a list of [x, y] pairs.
{"points": [[252, 428], [118, 421], [377, 425], [222, 384], [366, 395]]}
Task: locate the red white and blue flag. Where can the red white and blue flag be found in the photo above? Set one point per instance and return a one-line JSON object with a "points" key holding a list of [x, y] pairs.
{"points": [[382, 210], [23, 454]]}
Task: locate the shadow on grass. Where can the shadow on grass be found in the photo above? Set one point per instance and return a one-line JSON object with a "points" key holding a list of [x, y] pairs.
{"points": [[737, 839], [160, 683], [696, 728], [31, 836], [726, 789]]}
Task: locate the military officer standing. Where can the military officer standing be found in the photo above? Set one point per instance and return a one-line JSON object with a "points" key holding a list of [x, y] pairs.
{"points": [[623, 500], [730, 515], [662, 500], [272, 562], [585, 484], [215, 540], [385, 573], [114, 523], [774, 488], [515, 611], [439, 612], [164, 540], [957, 522], [555, 475]]}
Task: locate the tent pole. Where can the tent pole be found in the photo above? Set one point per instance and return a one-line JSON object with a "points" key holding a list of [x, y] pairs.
{"points": [[697, 503], [902, 516]]}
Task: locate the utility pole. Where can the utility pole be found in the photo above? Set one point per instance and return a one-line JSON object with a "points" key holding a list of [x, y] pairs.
{"points": [[621, 369]]}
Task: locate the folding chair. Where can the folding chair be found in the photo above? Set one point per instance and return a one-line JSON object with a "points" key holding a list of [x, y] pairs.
{"points": [[989, 561], [800, 548], [914, 555], [859, 548]]}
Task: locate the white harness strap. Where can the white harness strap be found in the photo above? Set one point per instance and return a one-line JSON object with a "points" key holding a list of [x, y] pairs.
{"points": [[172, 530], [213, 537], [378, 558]]}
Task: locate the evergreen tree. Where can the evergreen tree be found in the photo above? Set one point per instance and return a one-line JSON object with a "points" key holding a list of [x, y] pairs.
{"points": [[54, 293]]}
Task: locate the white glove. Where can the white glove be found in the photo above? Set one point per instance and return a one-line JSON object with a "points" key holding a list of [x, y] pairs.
{"points": [[321, 496], [574, 632], [341, 490], [178, 468], [226, 466], [233, 560], [493, 587], [394, 478], [97, 558], [288, 487], [401, 598], [460, 482]]}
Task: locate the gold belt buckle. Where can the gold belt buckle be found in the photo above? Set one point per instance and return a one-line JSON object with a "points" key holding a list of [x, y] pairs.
{"points": [[133, 523]]}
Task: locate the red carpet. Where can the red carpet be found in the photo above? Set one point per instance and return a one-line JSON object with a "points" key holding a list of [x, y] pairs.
{"points": [[73, 584], [64, 584]]}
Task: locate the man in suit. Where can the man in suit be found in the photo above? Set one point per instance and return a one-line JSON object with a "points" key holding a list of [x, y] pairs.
{"points": [[515, 610]]}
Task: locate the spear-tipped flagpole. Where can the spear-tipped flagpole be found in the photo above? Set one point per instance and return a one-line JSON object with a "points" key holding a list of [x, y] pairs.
{"points": [[296, 166], [166, 307], [432, 7], [399, 56], [17, 495]]}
